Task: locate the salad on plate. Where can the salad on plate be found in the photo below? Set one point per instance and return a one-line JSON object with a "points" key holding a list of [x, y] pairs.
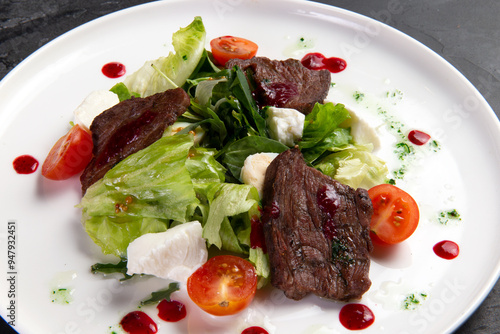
{"points": [[187, 175]]}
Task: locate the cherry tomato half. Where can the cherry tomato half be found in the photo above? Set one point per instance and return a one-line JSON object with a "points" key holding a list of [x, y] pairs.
{"points": [[224, 285], [229, 47], [395, 214], [69, 156]]}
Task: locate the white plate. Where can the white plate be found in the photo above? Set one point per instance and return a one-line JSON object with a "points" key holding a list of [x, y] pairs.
{"points": [[52, 250]]}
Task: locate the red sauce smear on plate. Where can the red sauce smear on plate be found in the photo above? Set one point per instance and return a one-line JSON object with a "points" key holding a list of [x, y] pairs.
{"points": [[171, 311], [356, 316], [257, 234], [317, 61], [25, 164], [446, 249], [254, 330], [418, 137], [138, 322], [113, 70]]}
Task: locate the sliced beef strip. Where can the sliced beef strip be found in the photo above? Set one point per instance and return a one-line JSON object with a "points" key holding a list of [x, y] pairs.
{"points": [[285, 83], [316, 231], [128, 127]]}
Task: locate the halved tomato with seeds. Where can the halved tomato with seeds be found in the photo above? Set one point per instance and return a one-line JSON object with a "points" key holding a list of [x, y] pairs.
{"points": [[395, 214], [224, 285], [229, 47]]}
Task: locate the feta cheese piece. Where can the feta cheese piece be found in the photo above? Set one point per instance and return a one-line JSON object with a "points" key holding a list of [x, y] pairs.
{"points": [[285, 125], [174, 254], [198, 132], [254, 169], [362, 132], [94, 104]]}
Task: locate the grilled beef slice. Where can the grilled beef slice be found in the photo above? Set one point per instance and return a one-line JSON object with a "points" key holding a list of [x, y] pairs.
{"points": [[285, 83], [316, 231], [128, 127]]}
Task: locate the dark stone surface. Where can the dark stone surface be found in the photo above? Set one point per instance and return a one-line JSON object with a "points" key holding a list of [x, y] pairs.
{"points": [[466, 33]]}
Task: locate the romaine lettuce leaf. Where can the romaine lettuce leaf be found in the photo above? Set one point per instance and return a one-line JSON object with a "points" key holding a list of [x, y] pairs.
{"points": [[141, 194], [172, 71]]}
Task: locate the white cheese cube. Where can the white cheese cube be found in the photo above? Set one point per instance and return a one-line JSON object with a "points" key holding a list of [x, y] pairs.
{"points": [[254, 169], [94, 104], [174, 254], [285, 125]]}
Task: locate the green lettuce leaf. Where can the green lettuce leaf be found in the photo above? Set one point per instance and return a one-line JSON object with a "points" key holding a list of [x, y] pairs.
{"points": [[141, 194], [321, 130], [355, 166], [172, 71], [227, 200]]}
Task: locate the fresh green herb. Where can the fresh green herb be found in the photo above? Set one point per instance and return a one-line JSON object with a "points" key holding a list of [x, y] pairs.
{"points": [[111, 268], [435, 145], [446, 216], [340, 252], [62, 296], [358, 96], [403, 150], [161, 294], [413, 300]]}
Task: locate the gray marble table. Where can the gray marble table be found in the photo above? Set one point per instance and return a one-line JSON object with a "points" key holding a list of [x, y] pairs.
{"points": [[465, 33]]}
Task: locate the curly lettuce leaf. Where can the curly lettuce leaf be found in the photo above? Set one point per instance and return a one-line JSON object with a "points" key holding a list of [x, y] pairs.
{"points": [[355, 166], [322, 132], [141, 194], [172, 71], [227, 200]]}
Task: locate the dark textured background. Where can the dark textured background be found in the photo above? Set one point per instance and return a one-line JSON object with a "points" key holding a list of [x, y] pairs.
{"points": [[466, 33]]}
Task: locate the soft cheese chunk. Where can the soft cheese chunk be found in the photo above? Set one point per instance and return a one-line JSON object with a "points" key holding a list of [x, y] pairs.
{"points": [[254, 169], [94, 104], [174, 254], [285, 125]]}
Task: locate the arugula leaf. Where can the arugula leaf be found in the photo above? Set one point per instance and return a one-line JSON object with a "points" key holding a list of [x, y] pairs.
{"points": [[159, 295], [240, 88], [111, 268]]}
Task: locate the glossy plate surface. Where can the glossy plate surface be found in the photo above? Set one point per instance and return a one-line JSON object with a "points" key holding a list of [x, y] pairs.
{"points": [[389, 79]]}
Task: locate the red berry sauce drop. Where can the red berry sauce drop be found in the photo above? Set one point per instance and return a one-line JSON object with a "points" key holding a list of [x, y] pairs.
{"points": [[254, 330], [113, 70], [446, 249], [356, 316], [138, 322], [171, 311], [25, 164], [418, 137], [317, 61]]}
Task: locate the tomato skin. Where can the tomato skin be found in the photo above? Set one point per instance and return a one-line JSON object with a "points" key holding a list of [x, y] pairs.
{"points": [[69, 155], [224, 285], [230, 47], [395, 214]]}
